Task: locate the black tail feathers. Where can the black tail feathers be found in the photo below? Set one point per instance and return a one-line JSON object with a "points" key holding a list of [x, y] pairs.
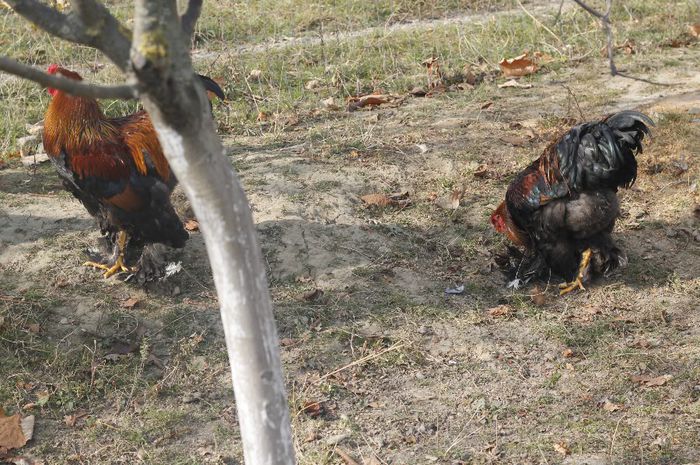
{"points": [[212, 86], [602, 154]]}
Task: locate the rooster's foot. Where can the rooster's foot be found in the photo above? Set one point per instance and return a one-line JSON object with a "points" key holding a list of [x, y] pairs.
{"points": [[110, 270], [577, 283], [118, 265]]}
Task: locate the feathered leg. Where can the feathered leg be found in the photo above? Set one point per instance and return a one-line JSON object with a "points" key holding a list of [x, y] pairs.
{"points": [[577, 283], [118, 265]]}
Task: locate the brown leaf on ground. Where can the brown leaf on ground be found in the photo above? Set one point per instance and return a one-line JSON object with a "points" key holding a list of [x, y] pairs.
{"points": [[313, 294], [418, 91], [130, 303], [519, 66], [486, 105], [542, 58], [651, 381], [611, 406], [372, 100], [313, 408], [694, 29], [500, 310], [383, 200], [345, 456], [514, 83], [451, 201], [517, 141], [567, 353], [14, 431], [192, 225], [70, 420], [33, 328], [538, 296], [562, 448], [484, 171]]}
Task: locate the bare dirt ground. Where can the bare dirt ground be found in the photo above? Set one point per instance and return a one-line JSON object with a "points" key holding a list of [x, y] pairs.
{"points": [[380, 363]]}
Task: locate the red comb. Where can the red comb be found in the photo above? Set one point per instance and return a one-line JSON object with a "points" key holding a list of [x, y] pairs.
{"points": [[52, 69]]}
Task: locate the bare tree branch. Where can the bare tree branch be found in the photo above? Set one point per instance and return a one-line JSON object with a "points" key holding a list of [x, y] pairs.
{"points": [[190, 16], [589, 9], [112, 37], [70, 86], [607, 26], [91, 14]]}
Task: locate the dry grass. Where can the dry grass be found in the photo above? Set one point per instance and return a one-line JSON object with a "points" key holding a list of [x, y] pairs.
{"points": [[401, 371]]}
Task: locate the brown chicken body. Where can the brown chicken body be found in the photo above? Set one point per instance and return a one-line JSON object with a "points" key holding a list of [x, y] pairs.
{"points": [[562, 208], [116, 168]]}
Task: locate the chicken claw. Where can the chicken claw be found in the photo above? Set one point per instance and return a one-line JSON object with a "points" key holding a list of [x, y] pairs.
{"points": [[118, 265], [565, 288]]}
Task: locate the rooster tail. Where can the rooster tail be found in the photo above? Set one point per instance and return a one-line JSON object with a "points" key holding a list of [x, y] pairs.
{"points": [[630, 127], [211, 86], [602, 155]]}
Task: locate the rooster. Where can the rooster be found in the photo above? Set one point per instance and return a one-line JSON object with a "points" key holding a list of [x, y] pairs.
{"points": [[562, 208], [116, 168]]}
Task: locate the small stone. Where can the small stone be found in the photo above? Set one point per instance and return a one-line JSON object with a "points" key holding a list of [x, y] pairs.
{"points": [[35, 159], [63, 321], [336, 439], [35, 129], [176, 290]]}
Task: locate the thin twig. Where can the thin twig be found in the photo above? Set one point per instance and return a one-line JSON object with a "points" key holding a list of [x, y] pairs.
{"points": [[556, 18], [125, 92], [104, 32], [607, 26], [537, 21], [360, 361], [345, 456]]}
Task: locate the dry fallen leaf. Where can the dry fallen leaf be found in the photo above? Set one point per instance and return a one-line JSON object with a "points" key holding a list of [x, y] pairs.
{"points": [[382, 200], [345, 456], [486, 105], [130, 303], [567, 353], [329, 104], [468, 76], [192, 225], [521, 65], [355, 103], [262, 116], [651, 381], [694, 29], [14, 431], [517, 141], [451, 201], [312, 84], [610, 406], [254, 75], [500, 310], [562, 448], [33, 328], [514, 83], [313, 408], [538, 296], [70, 420]]}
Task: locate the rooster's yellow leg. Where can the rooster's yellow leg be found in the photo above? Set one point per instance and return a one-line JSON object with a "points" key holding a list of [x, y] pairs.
{"points": [[577, 283], [118, 265]]}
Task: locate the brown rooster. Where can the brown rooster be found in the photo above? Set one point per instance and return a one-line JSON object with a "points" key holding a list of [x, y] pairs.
{"points": [[562, 208], [116, 168]]}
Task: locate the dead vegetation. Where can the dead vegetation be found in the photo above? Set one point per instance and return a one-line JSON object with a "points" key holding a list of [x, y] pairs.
{"points": [[366, 219]]}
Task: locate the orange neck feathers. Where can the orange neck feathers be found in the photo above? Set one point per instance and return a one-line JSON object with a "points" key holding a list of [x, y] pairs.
{"points": [[503, 223]]}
